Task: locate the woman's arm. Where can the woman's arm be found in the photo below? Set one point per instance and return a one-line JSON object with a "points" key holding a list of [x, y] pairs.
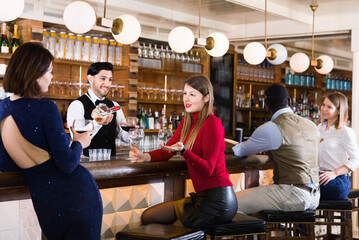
{"points": [[327, 176], [66, 157]]}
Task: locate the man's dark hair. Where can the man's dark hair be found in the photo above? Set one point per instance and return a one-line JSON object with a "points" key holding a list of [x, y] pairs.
{"points": [[276, 97], [95, 68], [27, 64]]}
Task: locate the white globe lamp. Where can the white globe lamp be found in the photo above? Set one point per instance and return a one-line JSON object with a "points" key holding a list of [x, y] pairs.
{"points": [[278, 54], [299, 62], [79, 17], [181, 39], [217, 44], [325, 64], [126, 29], [254, 53], [10, 10]]}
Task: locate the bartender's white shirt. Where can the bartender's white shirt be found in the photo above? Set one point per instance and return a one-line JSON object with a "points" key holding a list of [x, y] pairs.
{"points": [[337, 147], [76, 111]]}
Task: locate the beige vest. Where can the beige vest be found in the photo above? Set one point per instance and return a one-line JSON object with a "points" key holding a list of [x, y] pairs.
{"points": [[296, 161]]}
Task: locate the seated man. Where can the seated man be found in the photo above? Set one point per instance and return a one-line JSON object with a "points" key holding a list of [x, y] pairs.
{"points": [[292, 142]]}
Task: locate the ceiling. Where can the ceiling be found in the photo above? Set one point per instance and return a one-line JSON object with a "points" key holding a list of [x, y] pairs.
{"points": [[288, 21]]}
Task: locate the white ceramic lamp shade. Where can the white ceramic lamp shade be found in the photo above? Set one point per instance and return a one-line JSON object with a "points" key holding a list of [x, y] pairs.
{"points": [[327, 66], [254, 53], [10, 10], [281, 52], [299, 62], [181, 39], [221, 45], [79, 17], [131, 30]]}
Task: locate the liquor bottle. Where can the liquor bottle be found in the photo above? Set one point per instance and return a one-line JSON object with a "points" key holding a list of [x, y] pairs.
{"points": [[288, 78], [177, 121], [156, 53], [170, 126], [150, 121], [312, 80], [143, 119], [163, 53], [328, 82], [157, 121], [139, 113], [174, 114], [15, 40], [102, 111], [307, 80], [163, 119], [4, 42], [150, 51], [168, 54]]}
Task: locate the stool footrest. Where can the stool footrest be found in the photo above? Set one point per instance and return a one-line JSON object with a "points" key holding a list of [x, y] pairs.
{"points": [[289, 217]]}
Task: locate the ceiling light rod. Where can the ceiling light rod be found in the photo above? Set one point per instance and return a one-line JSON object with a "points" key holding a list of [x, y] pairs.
{"points": [[319, 62], [104, 22]]}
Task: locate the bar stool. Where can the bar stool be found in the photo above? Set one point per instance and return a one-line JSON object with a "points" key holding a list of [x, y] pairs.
{"points": [[335, 213], [354, 197], [241, 227], [289, 225], [160, 232]]}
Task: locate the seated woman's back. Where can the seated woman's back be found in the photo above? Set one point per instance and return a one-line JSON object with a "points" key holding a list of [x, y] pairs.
{"points": [[23, 153]]}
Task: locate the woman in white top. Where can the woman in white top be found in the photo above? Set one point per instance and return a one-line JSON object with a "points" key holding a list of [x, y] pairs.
{"points": [[338, 149]]}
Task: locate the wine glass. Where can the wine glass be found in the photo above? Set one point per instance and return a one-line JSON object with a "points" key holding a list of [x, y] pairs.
{"points": [[129, 124], [164, 135], [136, 135], [82, 125]]}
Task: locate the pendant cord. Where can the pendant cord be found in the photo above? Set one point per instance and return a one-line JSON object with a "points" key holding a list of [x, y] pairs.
{"points": [[199, 19], [265, 25]]}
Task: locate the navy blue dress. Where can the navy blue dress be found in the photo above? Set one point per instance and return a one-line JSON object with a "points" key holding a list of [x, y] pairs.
{"points": [[65, 196]]}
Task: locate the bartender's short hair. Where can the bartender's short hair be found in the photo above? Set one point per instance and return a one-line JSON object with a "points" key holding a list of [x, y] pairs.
{"points": [[27, 64], [96, 67], [276, 97]]}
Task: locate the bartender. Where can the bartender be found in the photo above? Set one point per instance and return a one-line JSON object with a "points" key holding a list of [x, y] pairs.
{"points": [[100, 76]]}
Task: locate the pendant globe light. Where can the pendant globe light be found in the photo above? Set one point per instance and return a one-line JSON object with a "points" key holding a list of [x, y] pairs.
{"points": [[181, 39], [254, 53], [79, 21], [126, 29], [10, 10], [299, 62]]}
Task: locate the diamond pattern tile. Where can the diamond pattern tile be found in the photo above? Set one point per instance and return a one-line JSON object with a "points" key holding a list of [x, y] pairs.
{"points": [[139, 197], [155, 193], [122, 220], [123, 196], [238, 181], [108, 226], [265, 177], [108, 200]]}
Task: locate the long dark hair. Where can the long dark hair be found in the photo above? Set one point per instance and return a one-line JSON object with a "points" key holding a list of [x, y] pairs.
{"points": [[28, 63]]}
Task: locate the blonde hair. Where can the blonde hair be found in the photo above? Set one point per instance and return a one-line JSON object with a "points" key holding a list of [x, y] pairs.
{"points": [[340, 101], [204, 86]]}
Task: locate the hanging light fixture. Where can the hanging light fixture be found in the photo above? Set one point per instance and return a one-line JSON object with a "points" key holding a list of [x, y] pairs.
{"points": [[126, 29], [254, 53], [10, 10], [181, 39], [79, 21], [299, 62]]}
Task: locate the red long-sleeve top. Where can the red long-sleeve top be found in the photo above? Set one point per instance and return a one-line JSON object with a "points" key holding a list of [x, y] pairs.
{"points": [[206, 161]]}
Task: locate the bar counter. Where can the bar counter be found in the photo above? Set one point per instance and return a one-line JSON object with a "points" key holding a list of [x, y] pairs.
{"points": [[119, 171]]}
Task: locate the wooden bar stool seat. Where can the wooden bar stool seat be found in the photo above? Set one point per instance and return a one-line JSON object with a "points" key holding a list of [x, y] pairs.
{"points": [[335, 213], [160, 232], [289, 225], [241, 227]]}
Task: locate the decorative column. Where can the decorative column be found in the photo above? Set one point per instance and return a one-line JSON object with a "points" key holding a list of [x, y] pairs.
{"points": [[355, 110]]}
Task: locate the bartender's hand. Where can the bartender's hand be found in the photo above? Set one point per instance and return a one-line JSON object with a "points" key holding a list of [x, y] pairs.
{"points": [[84, 138], [173, 148], [106, 120], [138, 156]]}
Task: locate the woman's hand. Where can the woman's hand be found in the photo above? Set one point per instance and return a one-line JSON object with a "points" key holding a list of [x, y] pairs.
{"points": [[138, 156], [326, 176], [173, 148], [84, 138]]}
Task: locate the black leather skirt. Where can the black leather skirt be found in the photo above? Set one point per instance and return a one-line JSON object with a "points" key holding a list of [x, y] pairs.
{"points": [[207, 208]]}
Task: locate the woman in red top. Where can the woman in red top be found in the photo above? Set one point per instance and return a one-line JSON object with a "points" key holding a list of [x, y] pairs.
{"points": [[200, 139]]}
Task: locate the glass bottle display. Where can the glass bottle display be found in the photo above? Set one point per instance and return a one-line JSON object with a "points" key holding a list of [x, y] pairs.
{"points": [[4, 42], [52, 42], [118, 54], [78, 48], [61, 46], [45, 38], [111, 51], [95, 47], [103, 50], [70, 45], [86, 51], [15, 43]]}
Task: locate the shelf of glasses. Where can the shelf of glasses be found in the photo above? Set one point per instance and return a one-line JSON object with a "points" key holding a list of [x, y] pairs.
{"points": [[251, 109], [150, 101], [5, 55], [154, 130], [242, 81], [303, 87], [157, 71]]}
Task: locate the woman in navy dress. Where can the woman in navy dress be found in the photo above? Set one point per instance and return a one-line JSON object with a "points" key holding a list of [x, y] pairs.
{"points": [[65, 196]]}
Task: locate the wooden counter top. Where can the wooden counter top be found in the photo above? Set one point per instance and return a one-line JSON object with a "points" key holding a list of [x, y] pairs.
{"points": [[119, 171]]}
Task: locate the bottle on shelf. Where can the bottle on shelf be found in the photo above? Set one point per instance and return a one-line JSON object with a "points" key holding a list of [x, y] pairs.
{"points": [[157, 122], [143, 119], [174, 116], [139, 113], [168, 53], [61, 46], [150, 121], [103, 50], [45, 37], [169, 125], [78, 48], [70, 45], [118, 54], [288, 78], [52, 43], [15, 43], [312, 80], [150, 51], [328, 82], [144, 51], [111, 52], [162, 53], [156, 53], [102, 111], [4, 42], [86, 51]]}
